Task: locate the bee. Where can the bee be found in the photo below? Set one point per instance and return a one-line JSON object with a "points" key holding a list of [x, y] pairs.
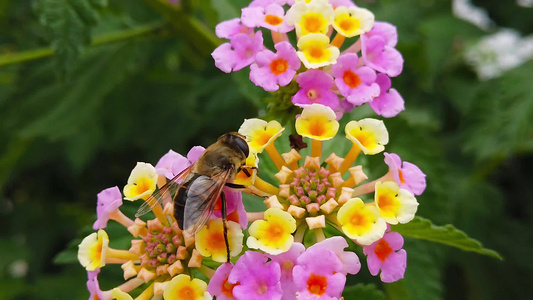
{"points": [[196, 190]]}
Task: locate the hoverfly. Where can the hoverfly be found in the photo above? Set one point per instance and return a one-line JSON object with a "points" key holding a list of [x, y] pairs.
{"points": [[195, 191]]}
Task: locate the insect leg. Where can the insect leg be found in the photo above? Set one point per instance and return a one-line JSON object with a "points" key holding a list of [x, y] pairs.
{"points": [[224, 221], [234, 185]]}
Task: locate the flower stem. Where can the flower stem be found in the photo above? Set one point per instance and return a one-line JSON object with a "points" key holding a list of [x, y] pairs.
{"points": [[123, 255], [279, 37], [338, 40], [319, 234], [265, 186], [147, 293], [350, 158], [130, 285], [300, 232], [207, 271], [33, 54], [118, 216], [316, 148], [274, 155]]}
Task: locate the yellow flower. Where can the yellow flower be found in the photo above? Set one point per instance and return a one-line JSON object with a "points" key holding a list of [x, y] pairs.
{"points": [[315, 51], [352, 21], [274, 234], [396, 205], [369, 134], [141, 183], [93, 249], [242, 178], [260, 133], [182, 287], [317, 122], [120, 295], [310, 17], [361, 221], [210, 240]]}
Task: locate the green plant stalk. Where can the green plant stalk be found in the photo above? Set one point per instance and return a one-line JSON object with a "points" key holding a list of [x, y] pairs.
{"points": [[107, 38], [197, 33]]}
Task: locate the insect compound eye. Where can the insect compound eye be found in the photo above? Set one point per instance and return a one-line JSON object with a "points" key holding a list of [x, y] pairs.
{"points": [[242, 145]]}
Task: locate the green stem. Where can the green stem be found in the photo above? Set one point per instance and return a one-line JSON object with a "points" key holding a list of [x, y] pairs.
{"points": [[33, 54]]}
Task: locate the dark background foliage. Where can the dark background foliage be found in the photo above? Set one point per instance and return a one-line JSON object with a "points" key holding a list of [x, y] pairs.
{"points": [[88, 88]]}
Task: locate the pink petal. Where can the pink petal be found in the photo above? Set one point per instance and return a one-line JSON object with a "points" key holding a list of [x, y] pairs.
{"points": [[414, 178]]}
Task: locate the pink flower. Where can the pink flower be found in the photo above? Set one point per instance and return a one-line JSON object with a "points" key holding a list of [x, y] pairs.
{"points": [[239, 52], [184, 162], [355, 83], [256, 278], [234, 208], [271, 70], [270, 17], [337, 244], [318, 274], [407, 175], [229, 28], [337, 3], [388, 256], [109, 200], [287, 261], [315, 88], [219, 285], [265, 3], [92, 285], [381, 57], [386, 31], [166, 162], [389, 103]]}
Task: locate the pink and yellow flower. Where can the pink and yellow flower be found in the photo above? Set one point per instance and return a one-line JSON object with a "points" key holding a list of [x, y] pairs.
{"points": [[315, 51], [370, 135], [310, 17], [181, 287], [396, 205], [361, 222], [141, 183], [352, 21], [274, 234], [210, 240]]}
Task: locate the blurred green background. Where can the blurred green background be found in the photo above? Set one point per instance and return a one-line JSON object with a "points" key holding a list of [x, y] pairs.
{"points": [[128, 80]]}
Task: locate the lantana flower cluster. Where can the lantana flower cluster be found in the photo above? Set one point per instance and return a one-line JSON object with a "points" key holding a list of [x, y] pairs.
{"points": [[313, 193], [334, 51], [321, 206]]}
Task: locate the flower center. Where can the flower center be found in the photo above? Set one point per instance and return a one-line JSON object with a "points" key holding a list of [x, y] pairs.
{"points": [[186, 293], [160, 246], [383, 250], [351, 79], [310, 187], [316, 284], [387, 201], [279, 66], [347, 23], [227, 288], [273, 20], [262, 289], [312, 94], [313, 23], [400, 174]]}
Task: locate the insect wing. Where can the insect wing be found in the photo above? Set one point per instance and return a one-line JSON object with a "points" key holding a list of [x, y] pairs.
{"points": [[202, 197], [166, 192]]}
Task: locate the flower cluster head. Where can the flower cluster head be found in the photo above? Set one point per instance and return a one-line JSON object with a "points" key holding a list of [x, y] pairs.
{"points": [[314, 192], [341, 56]]}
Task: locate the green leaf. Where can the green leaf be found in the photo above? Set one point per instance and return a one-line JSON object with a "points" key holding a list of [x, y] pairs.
{"points": [[363, 292], [69, 23], [421, 228]]}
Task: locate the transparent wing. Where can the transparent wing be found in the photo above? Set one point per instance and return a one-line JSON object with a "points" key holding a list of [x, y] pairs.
{"points": [[166, 192], [202, 197]]}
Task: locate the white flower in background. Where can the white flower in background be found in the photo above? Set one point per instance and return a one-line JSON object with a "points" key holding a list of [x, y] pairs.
{"points": [[499, 52]]}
